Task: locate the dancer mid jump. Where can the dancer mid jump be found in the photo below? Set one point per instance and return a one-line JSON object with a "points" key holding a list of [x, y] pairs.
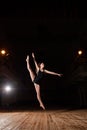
{"points": [[36, 77]]}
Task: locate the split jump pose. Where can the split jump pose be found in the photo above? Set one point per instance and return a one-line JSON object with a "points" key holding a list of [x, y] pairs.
{"points": [[36, 77]]}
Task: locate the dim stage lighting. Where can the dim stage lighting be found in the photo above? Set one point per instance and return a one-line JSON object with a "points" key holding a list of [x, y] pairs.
{"points": [[3, 52], [80, 52]]}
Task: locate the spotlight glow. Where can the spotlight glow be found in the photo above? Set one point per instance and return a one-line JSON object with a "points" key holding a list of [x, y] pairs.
{"points": [[3, 52], [7, 88], [80, 52]]}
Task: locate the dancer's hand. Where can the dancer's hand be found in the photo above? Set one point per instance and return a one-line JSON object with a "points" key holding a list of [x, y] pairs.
{"points": [[27, 58], [60, 75]]}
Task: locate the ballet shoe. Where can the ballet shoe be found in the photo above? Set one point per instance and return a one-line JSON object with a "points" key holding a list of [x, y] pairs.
{"points": [[42, 107]]}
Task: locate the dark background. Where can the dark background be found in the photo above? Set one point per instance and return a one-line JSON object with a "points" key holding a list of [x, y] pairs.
{"points": [[54, 31]]}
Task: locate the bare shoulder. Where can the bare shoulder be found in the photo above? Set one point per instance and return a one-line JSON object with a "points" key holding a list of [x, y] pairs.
{"points": [[44, 70]]}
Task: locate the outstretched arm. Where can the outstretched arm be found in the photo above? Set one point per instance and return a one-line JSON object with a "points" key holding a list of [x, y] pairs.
{"points": [[36, 65], [52, 73]]}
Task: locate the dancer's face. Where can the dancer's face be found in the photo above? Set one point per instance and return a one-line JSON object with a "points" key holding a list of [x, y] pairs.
{"points": [[42, 65]]}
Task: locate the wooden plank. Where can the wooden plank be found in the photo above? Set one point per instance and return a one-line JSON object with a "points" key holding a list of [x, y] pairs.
{"points": [[44, 120]]}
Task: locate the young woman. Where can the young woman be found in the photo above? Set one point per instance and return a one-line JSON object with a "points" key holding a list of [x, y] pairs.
{"points": [[36, 77]]}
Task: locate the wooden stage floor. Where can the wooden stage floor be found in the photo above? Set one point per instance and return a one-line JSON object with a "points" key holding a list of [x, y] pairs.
{"points": [[61, 119]]}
